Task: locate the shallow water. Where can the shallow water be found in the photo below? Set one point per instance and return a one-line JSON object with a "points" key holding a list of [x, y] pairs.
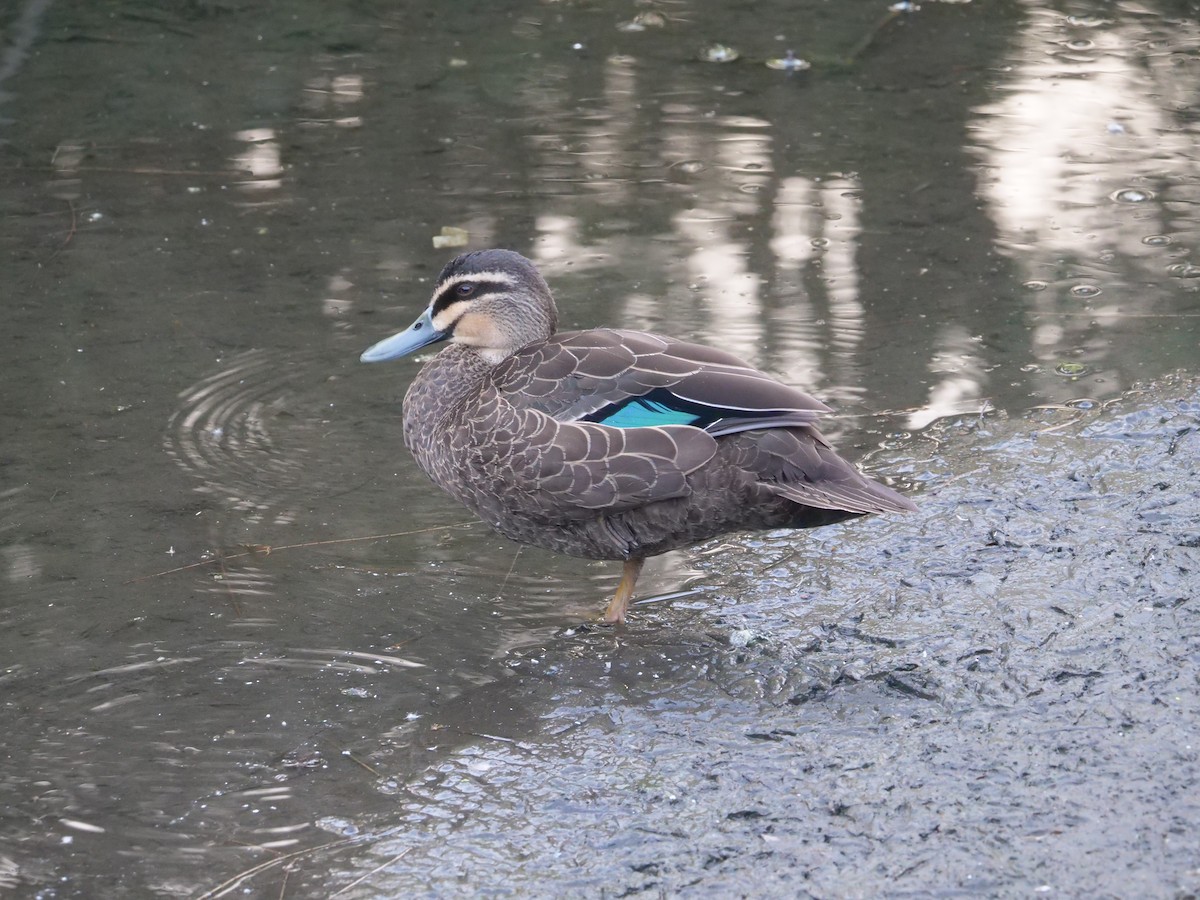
{"points": [[209, 209]]}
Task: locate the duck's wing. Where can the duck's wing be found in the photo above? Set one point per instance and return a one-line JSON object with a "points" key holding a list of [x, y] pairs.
{"points": [[633, 379], [606, 415], [806, 471], [572, 468]]}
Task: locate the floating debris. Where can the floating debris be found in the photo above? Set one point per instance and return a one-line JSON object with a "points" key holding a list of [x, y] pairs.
{"points": [[450, 237]]}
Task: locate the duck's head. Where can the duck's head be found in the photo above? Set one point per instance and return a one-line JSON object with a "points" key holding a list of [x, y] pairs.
{"points": [[494, 301]]}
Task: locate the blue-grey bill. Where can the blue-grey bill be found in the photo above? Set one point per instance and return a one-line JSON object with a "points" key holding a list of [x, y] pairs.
{"points": [[420, 333]]}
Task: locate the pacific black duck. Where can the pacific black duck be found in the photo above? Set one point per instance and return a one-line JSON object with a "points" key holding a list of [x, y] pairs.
{"points": [[608, 444]]}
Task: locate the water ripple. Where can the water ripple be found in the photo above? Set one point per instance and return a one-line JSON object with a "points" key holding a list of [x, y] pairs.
{"points": [[226, 431]]}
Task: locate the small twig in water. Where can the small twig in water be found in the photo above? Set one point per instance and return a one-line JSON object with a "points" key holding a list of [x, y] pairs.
{"points": [[267, 550], [890, 16], [360, 879], [367, 766], [508, 575], [225, 887]]}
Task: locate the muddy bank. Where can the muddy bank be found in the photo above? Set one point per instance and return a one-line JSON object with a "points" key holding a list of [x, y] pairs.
{"points": [[996, 696]]}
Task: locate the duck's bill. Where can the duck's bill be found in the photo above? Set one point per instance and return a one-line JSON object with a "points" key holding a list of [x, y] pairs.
{"points": [[420, 333]]}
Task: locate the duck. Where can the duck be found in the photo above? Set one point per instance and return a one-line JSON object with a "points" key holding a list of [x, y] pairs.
{"points": [[608, 443]]}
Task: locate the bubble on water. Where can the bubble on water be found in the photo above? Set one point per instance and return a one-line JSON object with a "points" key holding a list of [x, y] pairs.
{"points": [[1086, 291], [642, 21], [1031, 367], [789, 63], [750, 188], [718, 53], [689, 166], [820, 243], [1131, 195], [1082, 403], [1035, 286], [1081, 44], [1071, 369], [1184, 270], [1157, 240]]}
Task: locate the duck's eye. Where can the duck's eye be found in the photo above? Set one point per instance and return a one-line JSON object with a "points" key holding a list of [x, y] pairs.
{"points": [[465, 288]]}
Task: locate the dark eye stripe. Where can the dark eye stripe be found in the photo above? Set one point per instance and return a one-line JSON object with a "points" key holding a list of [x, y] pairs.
{"points": [[449, 295]]}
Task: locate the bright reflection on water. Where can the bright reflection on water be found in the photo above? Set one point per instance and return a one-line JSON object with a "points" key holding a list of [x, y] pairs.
{"points": [[237, 621], [1091, 178]]}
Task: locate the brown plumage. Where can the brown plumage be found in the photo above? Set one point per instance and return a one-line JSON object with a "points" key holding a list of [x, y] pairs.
{"points": [[608, 444]]}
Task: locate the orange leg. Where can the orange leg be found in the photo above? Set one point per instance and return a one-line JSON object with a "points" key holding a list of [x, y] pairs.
{"points": [[620, 603]]}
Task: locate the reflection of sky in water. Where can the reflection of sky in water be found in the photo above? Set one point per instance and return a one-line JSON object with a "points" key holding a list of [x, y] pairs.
{"points": [[1074, 123], [260, 159], [1083, 156]]}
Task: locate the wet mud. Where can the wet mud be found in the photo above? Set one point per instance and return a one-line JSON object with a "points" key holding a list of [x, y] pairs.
{"points": [[996, 696]]}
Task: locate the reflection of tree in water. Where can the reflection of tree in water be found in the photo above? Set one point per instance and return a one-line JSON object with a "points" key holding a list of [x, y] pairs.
{"points": [[830, 227], [735, 205], [1088, 172]]}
